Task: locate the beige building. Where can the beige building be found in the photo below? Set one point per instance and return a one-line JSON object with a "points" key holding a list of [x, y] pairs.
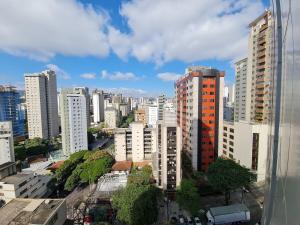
{"points": [[7, 153], [111, 117], [167, 167], [135, 144], [246, 143], [23, 185], [140, 115], [259, 67], [34, 211], [73, 121], [41, 101], [242, 91]]}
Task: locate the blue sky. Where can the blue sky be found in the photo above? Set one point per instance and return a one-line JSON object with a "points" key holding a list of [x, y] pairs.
{"points": [[135, 47]]}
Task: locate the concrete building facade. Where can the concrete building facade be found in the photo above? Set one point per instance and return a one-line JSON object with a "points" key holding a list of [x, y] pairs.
{"points": [[135, 144], [23, 185], [168, 153], [247, 144], [242, 91], [111, 117], [42, 108], [98, 106], [73, 121], [7, 153], [199, 96], [151, 115], [259, 67]]}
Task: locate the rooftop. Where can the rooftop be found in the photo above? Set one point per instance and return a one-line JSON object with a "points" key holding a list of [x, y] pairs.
{"points": [[112, 182], [6, 165], [16, 179], [122, 166], [228, 209], [28, 211]]}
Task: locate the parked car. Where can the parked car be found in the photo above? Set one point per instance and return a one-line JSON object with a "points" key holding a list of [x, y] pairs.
{"points": [[190, 221], [197, 221]]}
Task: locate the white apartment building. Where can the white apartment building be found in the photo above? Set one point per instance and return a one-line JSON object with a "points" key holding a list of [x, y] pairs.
{"points": [[168, 155], [7, 153], [111, 117], [135, 144], [41, 101], [73, 121], [23, 185], [26, 211], [246, 143], [85, 91], [151, 115], [98, 106], [161, 100], [242, 91], [259, 67], [124, 109]]}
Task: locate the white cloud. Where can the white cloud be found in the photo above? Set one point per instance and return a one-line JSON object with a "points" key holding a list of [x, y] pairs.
{"points": [[59, 71], [88, 75], [169, 76], [42, 29], [190, 30], [119, 76]]}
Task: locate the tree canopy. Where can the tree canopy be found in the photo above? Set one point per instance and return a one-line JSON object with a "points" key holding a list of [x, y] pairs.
{"points": [[226, 175], [140, 176], [137, 204], [188, 197]]}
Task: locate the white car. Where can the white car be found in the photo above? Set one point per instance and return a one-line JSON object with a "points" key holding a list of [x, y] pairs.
{"points": [[181, 220], [197, 221]]}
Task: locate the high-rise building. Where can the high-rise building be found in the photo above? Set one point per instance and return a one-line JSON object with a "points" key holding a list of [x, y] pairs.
{"points": [[6, 143], [168, 153], [10, 109], [41, 100], [124, 109], [161, 100], [111, 117], [73, 121], [135, 144], [85, 91], [151, 115], [140, 115], [259, 67], [98, 106], [242, 91], [199, 95]]}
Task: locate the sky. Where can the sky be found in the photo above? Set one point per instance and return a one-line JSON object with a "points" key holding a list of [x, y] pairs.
{"points": [[135, 47]]}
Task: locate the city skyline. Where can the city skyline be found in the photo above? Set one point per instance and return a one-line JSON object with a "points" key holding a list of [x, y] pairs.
{"points": [[128, 67]]}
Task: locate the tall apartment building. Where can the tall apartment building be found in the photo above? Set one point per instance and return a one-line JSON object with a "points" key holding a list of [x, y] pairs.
{"points": [[259, 67], [168, 153], [73, 121], [135, 144], [151, 115], [98, 106], [140, 115], [242, 91], [41, 100], [161, 100], [199, 95], [124, 109], [111, 117], [247, 144], [85, 91], [6, 143], [10, 109]]}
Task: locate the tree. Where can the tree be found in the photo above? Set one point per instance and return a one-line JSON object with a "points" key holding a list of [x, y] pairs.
{"points": [[92, 170], [137, 204], [74, 179], [226, 175], [20, 152], [188, 197], [140, 177]]}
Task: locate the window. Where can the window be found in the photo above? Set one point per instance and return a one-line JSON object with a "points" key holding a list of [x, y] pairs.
{"points": [[225, 128], [231, 137], [230, 156], [231, 130], [224, 140], [230, 149]]}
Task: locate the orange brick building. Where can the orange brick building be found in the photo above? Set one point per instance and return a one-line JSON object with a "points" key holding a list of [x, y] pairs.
{"points": [[199, 96]]}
